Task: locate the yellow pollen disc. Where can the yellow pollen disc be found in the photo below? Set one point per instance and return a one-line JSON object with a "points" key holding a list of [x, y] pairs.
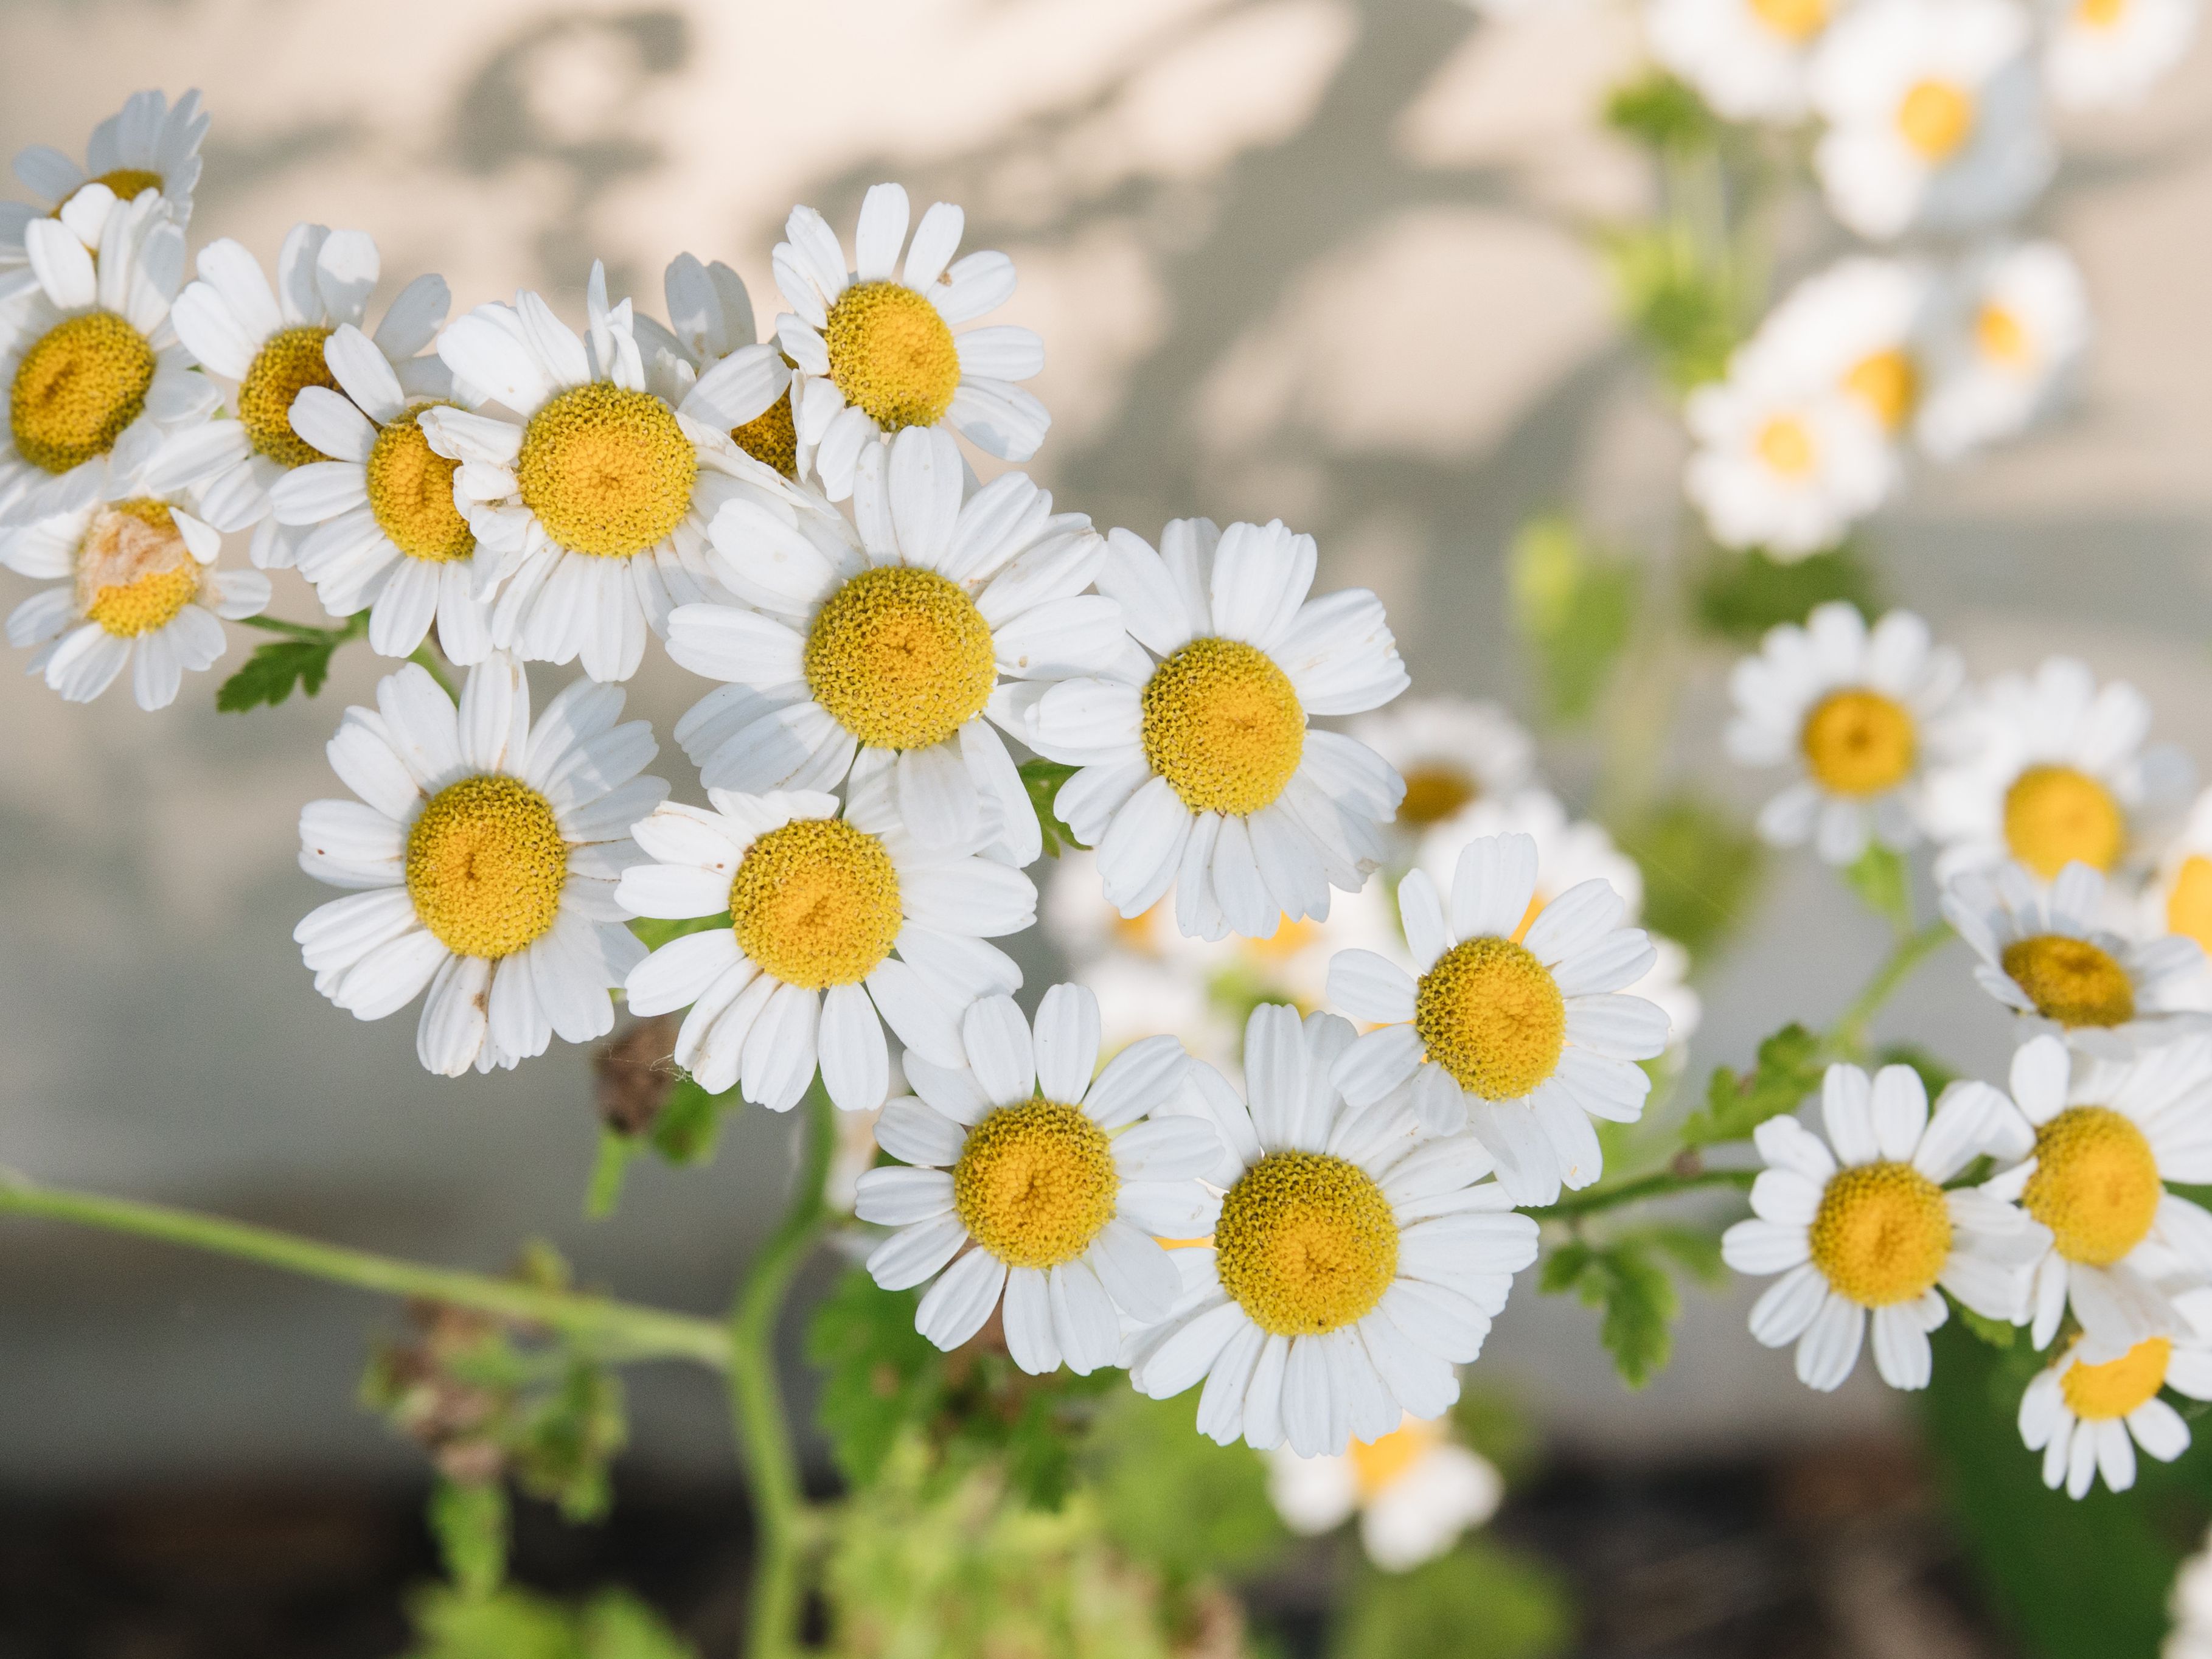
{"points": [[485, 865], [1793, 20], [1786, 445], [771, 438], [892, 355], [289, 361], [2095, 1184], [410, 491], [1306, 1244], [1935, 117], [2000, 336], [1223, 725], [77, 388], [1492, 1015], [608, 471], [1881, 1234], [134, 572], [2055, 815], [2100, 1394], [901, 658], [1889, 383], [1434, 792], [1859, 743], [125, 182], [1034, 1184], [1378, 1465], [2071, 979], [2189, 906], [815, 903], [2101, 14]]}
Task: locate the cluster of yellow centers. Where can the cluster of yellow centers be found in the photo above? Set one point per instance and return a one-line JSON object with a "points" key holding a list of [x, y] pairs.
{"points": [[2103, 1394], [607, 470], [1492, 1016], [2055, 816], [1889, 383], [1787, 447], [892, 355], [1859, 743], [1793, 20], [901, 658], [411, 492], [1434, 791], [134, 572], [1379, 1464], [2071, 979], [1306, 1244], [771, 437], [1223, 725], [485, 865], [79, 383], [1034, 1184], [815, 903], [2095, 1184], [1881, 1234], [1935, 117], [289, 361]]}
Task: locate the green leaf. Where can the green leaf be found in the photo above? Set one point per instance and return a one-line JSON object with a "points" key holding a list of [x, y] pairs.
{"points": [[1684, 308], [1744, 594], [1659, 110], [567, 1439], [274, 669], [1043, 779], [1477, 1602], [654, 931], [1997, 1333], [468, 1521], [1638, 1298], [1696, 1252], [1701, 873], [880, 1375], [1170, 1496], [1573, 610], [616, 1624], [514, 1624], [608, 1168], [1789, 1068], [691, 1123], [1883, 882]]}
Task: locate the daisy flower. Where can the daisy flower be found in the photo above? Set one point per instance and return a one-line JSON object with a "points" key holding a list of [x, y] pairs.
{"points": [[2052, 770], [2045, 956], [1415, 1491], [1934, 117], [1051, 1185], [2087, 1417], [1523, 1041], [2178, 899], [1782, 463], [891, 655], [2106, 54], [1356, 1261], [2101, 1139], [1855, 714], [138, 587], [1747, 58], [805, 973], [711, 318], [147, 144], [874, 345], [96, 376], [1859, 327], [490, 847], [1199, 771], [1450, 751], [1867, 1228], [2016, 325]]}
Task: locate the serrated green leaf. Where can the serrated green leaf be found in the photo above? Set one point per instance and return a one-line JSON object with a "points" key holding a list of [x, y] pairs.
{"points": [[1701, 873], [1790, 1066], [1573, 610], [273, 670], [1662, 111], [468, 1521], [1042, 780], [1883, 882], [1744, 594], [879, 1374], [1637, 1298]]}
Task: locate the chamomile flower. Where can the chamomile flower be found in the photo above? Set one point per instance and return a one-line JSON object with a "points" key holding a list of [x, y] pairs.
{"points": [[874, 344], [1934, 118], [2087, 1416], [1855, 714], [147, 144], [2106, 54], [1056, 1178], [1451, 751], [1355, 1262], [839, 925], [96, 379], [2045, 955], [1198, 770], [2015, 326], [1747, 58], [138, 587], [1783, 463], [1522, 1039], [1867, 1229], [1415, 1491], [489, 846], [1859, 327], [2099, 1140], [2178, 899], [711, 318], [2051, 770]]}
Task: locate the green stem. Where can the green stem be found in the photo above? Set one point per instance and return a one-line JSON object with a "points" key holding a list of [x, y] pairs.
{"points": [[618, 1330], [353, 625], [429, 659], [1847, 1037], [756, 1399], [1664, 1184]]}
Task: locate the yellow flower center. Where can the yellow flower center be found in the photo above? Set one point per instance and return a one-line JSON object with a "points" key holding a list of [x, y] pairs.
{"points": [[486, 863], [1881, 1234], [2055, 814], [771, 438], [1223, 725], [608, 471], [1492, 1015], [815, 903], [892, 355], [1379, 1464], [77, 388], [125, 182], [2095, 1184], [1889, 383], [1785, 444], [2100, 1394], [2189, 905], [1034, 1184], [1434, 791], [2071, 979], [2101, 14], [134, 572], [1859, 743], [289, 361], [1793, 20], [2000, 336], [410, 491], [1935, 117], [1306, 1244], [901, 658]]}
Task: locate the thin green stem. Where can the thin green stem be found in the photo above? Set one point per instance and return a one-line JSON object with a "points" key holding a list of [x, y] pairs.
{"points": [[1664, 1184], [352, 627], [617, 1330], [756, 1399], [1847, 1036], [429, 659]]}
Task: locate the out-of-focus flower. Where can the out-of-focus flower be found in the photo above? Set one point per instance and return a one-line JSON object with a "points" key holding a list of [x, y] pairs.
{"points": [[1451, 751], [1782, 463], [2191, 1604], [147, 144], [1859, 327], [2087, 1416], [2179, 897], [2106, 54], [1415, 1491], [1748, 58], [2015, 324]]}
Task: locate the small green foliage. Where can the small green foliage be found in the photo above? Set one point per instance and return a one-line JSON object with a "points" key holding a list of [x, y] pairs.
{"points": [[1685, 308], [512, 1624], [1168, 1495], [301, 658], [654, 931], [1997, 1333], [1661, 111], [468, 1520], [1638, 1300], [1701, 873], [608, 1168], [1883, 882], [691, 1123], [1790, 1065], [1744, 594], [879, 1374], [1697, 1252], [1043, 779], [1476, 1600], [1573, 610]]}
